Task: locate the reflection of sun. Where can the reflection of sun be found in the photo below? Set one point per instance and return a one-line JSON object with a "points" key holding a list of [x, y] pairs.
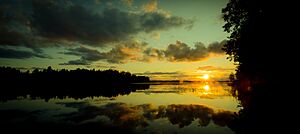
{"points": [[206, 87], [205, 76]]}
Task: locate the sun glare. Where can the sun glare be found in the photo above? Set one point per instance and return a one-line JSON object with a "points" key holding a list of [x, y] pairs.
{"points": [[206, 87], [205, 76]]}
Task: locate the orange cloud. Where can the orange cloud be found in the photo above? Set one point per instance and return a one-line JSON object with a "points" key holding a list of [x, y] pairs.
{"points": [[150, 7]]}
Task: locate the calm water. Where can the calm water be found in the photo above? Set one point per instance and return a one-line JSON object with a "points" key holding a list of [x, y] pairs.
{"points": [[202, 107]]}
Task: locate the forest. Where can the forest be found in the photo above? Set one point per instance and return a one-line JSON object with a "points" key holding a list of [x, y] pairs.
{"points": [[79, 83]]}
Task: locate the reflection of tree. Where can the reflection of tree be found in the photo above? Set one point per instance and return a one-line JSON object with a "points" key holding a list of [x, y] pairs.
{"points": [[222, 118], [185, 114], [78, 83], [121, 116]]}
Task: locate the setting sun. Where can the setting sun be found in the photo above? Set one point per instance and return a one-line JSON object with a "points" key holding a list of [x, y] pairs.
{"points": [[205, 76]]}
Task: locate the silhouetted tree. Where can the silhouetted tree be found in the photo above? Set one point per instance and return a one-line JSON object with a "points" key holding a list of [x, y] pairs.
{"points": [[79, 83], [249, 21], [254, 45]]}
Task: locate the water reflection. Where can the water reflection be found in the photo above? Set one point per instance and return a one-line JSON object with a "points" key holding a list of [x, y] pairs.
{"points": [[132, 118], [194, 107], [77, 93]]}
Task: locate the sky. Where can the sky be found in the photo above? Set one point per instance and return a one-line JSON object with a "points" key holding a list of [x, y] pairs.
{"points": [[162, 39]]}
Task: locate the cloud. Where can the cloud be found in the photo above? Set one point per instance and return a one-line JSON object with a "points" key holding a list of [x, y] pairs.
{"points": [[125, 52], [19, 54], [122, 53], [85, 53], [128, 2], [216, 47], [151, 54], [157, 21], [133, 51], [87, 56], [151, 6], [76, 62], [37, 24], [182, 52]]}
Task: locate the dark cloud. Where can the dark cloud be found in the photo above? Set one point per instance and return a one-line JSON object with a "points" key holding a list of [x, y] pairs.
{"points": [[76, 23], [182, 52], [19, 54], [216, 47], [87, 56], [154, 21], [15, 29], [151, 54], [76, 62], [37, 24], [124, 52], [85, 53], [101, 66]]}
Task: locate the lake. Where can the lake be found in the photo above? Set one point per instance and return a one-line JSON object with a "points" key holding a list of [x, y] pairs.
{"points": [[165, 107]]}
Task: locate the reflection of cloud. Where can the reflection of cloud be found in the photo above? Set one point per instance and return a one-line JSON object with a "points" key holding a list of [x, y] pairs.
{"points": [[124, 116]]}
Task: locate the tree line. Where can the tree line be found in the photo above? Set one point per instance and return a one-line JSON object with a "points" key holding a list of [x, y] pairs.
{"points": [[47, 83]]}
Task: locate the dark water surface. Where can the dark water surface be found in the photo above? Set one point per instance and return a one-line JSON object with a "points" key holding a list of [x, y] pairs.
{"points": [[194, 107]]}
